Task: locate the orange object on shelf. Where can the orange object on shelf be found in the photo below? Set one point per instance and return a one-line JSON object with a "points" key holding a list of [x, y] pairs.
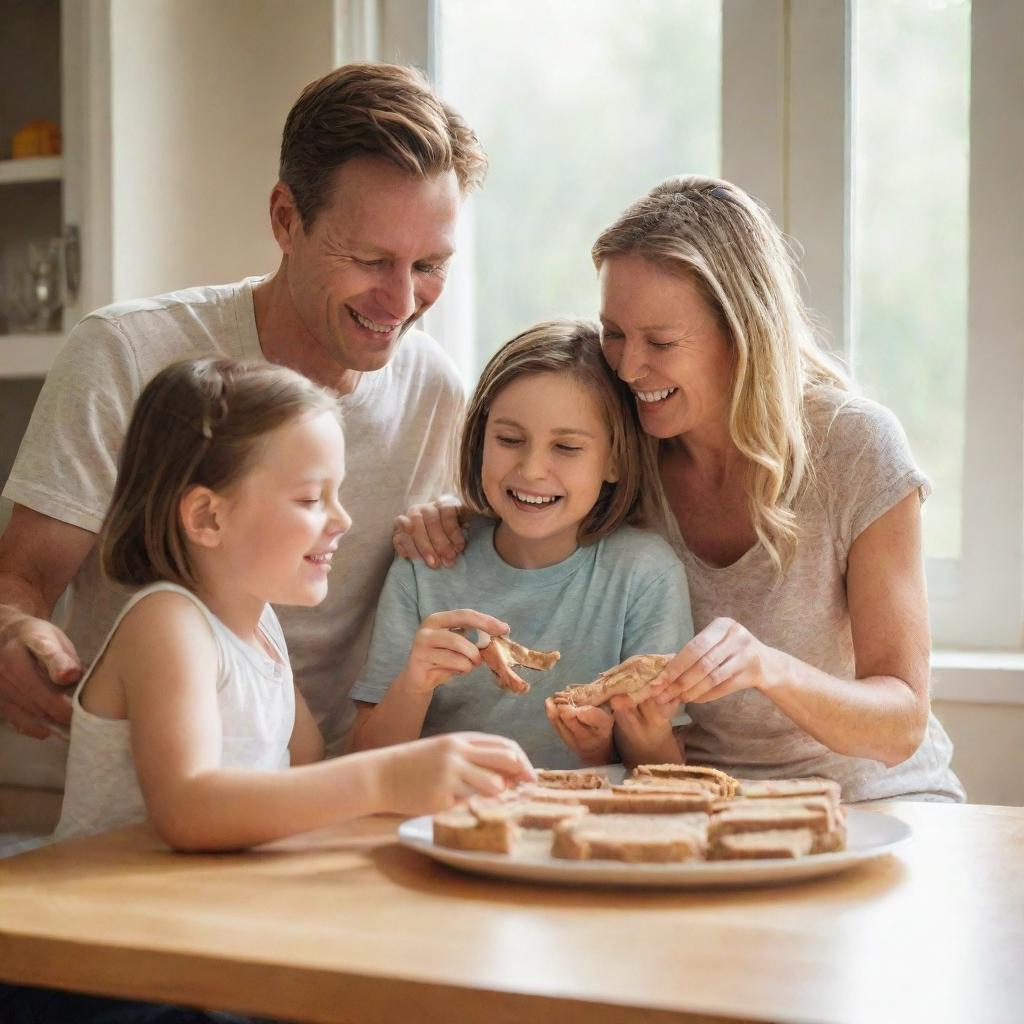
{"points": [[36, 138]]}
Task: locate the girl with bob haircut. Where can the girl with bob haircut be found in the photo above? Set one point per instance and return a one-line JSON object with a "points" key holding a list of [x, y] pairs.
{"points": [[227, 500], [553, 466]]}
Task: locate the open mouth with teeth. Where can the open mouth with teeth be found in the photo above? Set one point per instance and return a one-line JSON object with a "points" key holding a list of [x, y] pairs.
{"points": [[372, 325], [649, 398], [323, 559], [533, 502]]}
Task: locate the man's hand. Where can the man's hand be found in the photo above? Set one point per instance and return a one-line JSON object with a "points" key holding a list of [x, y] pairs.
{"points": [[37, 664], [431, 532]]}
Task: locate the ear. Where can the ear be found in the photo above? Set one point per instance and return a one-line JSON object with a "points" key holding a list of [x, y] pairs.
{"points": [[284, 216], [611, 470], [201, 511]]}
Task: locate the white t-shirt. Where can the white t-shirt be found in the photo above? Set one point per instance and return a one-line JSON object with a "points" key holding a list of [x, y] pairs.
{"points": [[862, 468], [256, 701], [400, 425]]}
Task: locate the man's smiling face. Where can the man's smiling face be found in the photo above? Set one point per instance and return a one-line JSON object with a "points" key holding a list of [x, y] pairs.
{"points": [[373, 261]]}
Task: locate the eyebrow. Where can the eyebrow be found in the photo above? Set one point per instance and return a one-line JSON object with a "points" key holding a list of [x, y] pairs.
{"points": [[646, 327], [373, 250], [561, 431]]}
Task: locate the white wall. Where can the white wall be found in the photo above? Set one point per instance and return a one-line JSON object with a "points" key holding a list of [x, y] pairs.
{"points": [[987, 745], [200, 92]]}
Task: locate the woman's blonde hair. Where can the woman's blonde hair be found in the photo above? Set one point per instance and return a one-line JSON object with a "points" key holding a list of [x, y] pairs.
{"points": [[197, 423], [724, 240], [572, 347]]}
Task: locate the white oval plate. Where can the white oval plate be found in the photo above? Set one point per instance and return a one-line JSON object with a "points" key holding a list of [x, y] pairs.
{"points": [[869, 835]]}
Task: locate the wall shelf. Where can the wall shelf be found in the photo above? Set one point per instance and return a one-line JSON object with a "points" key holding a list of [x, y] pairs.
{"points": [[36, 168], [28, 355]]}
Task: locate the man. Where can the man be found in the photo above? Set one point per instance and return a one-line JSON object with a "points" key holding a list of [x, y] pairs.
{"points": [[374, 168]]}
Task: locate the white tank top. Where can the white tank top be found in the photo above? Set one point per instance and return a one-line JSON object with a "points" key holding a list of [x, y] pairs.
{"points": [[256, 698]]}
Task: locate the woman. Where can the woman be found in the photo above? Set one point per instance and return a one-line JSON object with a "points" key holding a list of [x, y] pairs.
{"points": [[794, 506]]}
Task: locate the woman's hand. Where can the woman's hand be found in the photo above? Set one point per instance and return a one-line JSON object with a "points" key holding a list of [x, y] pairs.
{"points": [[585, 730], [643, 732], [438, 653], [722, 658], [431, 532]]}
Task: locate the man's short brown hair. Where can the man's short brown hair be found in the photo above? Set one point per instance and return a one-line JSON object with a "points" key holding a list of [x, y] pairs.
{"points": [[381, 110]]}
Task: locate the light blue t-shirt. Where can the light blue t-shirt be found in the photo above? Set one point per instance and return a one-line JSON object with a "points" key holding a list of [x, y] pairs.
{"points": [[627, 594]]}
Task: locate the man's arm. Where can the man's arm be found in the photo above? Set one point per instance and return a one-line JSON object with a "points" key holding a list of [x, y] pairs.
{"points": [[39, 557]]}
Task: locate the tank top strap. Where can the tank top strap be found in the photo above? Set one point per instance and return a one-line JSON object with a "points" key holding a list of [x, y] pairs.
{"points": [[212, 621]]}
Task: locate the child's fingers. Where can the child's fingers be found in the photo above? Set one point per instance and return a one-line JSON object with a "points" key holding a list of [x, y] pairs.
{"points": [[446, 640], [467, 618], [501, 754], [596, 719]]}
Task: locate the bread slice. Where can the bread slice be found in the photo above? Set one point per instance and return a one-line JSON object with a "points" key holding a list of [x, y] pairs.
{"points": [[502, 654], [525, 813], [753, 816], [631, 677], [661, 784], [727, 785], [632, 838], [772, 843], [461, 829], [619, 800], [781, 789], [570, 779]]}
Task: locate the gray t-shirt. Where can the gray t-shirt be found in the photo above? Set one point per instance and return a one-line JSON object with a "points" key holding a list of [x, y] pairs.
{"points": [[399, 422], [622, 596], [862, 468]]}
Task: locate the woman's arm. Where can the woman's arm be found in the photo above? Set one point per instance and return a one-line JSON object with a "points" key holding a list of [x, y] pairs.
{"points": [[881, 714], [166, 659]]}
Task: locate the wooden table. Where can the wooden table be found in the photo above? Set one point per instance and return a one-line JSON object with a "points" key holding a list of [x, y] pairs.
{"points": [[344, 925]]}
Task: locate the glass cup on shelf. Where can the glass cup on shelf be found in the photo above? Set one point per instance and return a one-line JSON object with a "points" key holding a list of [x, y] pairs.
{"points": [[32, 295]]}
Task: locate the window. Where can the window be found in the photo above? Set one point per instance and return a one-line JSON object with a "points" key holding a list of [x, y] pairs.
{"points": [[882, 134], [910, 132], [581, 108]]}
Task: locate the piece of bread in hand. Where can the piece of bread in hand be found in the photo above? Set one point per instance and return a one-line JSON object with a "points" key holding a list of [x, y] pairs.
{"points": [[501, 656], [632, 838], [631, 678]]}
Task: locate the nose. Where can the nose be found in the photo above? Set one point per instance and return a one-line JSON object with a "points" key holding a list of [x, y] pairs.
{"points": [[339, 521], [397, 293], [630, 366], [534, 464]]}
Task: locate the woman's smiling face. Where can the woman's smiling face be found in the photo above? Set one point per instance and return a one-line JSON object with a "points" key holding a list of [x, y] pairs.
{"points": [[660, 335]]}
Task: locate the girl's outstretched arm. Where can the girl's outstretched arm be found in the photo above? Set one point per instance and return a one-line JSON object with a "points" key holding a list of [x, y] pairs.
{"points": [[165, 656]]}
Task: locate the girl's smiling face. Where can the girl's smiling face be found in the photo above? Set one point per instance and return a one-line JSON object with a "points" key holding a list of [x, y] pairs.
{"points": [[283, 519], [546, 455]]}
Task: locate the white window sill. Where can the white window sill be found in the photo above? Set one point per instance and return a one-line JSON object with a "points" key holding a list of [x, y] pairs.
{"points": [[978, 677]]}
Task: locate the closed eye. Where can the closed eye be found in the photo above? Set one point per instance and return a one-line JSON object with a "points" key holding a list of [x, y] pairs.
{"points": [[508, 440], [568, 448]]}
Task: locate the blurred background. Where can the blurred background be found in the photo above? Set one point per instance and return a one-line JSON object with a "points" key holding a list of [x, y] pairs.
{"points": [[138, 146]]}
